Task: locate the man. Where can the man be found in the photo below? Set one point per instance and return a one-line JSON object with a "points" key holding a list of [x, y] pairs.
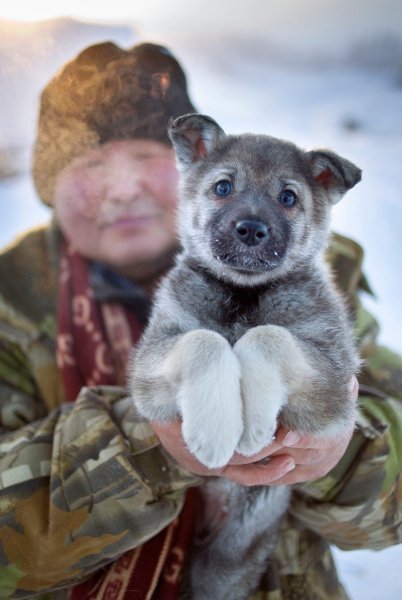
{"points": [[86, 487]]}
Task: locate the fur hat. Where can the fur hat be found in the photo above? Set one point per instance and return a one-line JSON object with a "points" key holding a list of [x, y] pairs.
{"points": [[106, 93]]}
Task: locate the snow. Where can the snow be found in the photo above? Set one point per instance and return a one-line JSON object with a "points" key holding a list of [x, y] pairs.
{"points": [[369, 575], [323, 74]]}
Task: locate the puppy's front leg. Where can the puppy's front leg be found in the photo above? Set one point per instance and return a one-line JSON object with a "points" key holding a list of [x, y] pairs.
{"points": [[205, 374], [272, 367]]}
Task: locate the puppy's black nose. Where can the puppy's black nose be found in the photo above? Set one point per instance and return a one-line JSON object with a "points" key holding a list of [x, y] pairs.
{"points": [[252, 232]]}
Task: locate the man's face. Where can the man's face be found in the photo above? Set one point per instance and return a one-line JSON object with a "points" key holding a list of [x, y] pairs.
{"points": [[116, 204]]}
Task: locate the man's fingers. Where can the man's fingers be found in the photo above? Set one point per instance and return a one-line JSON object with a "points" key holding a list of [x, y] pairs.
{"points": [[259, 474], [302, 473], [319, 443], [354, 386], [278, 444], [240, 459], [304, 456]]}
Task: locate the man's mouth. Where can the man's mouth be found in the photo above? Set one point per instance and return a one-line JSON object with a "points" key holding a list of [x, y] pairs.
{"points": [[128, 220]]}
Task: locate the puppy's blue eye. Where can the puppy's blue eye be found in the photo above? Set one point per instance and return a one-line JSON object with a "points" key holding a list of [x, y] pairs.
{"points": [[223, 188], [288, 198]]}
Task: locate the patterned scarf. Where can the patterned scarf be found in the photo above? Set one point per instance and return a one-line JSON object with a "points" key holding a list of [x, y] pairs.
{"points": [[93, 345]]}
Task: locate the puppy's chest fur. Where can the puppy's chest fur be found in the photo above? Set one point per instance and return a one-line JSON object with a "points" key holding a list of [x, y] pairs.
{"points": [[232, 310]]}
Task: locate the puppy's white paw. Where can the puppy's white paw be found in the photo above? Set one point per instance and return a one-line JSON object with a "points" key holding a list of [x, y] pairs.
{"points": [[213, 443], [212, 414], [209, 397], [263, 391], [256, 437], [263, 397]]}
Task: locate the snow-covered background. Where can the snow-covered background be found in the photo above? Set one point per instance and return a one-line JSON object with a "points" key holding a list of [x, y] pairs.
{"points": [[318, 72]]}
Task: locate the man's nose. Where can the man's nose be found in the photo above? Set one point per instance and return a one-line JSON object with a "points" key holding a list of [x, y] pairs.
{"points": [[126, 186]]}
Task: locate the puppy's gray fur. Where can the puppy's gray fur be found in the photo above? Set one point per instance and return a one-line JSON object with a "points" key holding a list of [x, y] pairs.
{"points": [[247, 329]]}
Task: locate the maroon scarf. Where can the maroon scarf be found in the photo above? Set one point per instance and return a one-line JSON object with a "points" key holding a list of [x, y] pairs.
{"points": [[93, 345], [93, 340]]}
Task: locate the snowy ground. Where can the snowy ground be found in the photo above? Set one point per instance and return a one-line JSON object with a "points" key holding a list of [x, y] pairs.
{"points": [[347, 100]]}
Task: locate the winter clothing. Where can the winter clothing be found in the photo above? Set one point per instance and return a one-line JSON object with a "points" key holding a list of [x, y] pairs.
{"points": [[82, 483], [94, 340], [94, 343], [104, 94]]}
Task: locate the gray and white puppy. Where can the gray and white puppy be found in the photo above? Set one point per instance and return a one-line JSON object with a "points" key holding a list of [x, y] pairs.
{"points": [[247, 330]]}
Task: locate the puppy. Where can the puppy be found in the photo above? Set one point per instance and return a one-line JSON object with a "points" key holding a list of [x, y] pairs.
{"points": [[247, 330]]}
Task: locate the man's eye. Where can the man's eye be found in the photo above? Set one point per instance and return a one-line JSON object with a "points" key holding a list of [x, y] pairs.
{"points": [[223, 188], [288, 199]]}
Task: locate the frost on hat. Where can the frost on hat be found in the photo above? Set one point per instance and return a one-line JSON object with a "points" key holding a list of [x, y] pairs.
{"points": [[106, 93]]}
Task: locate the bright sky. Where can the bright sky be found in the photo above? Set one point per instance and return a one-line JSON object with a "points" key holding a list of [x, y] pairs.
{"points": [[173, 13], [264, 18], [27, 10]]}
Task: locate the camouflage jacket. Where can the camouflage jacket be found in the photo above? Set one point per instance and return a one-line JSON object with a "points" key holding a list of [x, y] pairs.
{"points": [[82, 483]]}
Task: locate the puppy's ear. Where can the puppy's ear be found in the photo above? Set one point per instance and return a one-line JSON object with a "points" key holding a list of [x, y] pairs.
{"points": [[194, 136], [336, 174]]}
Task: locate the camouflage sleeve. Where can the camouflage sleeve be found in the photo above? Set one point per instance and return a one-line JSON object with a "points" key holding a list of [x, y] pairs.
{"points": [[358, 504], [77, 489]]}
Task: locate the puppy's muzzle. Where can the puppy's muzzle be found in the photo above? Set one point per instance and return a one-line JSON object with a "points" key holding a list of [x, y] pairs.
{"points": [[252, 232]]}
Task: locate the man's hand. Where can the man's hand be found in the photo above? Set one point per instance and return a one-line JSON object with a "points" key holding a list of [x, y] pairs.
{"points": [[289, 459]]}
